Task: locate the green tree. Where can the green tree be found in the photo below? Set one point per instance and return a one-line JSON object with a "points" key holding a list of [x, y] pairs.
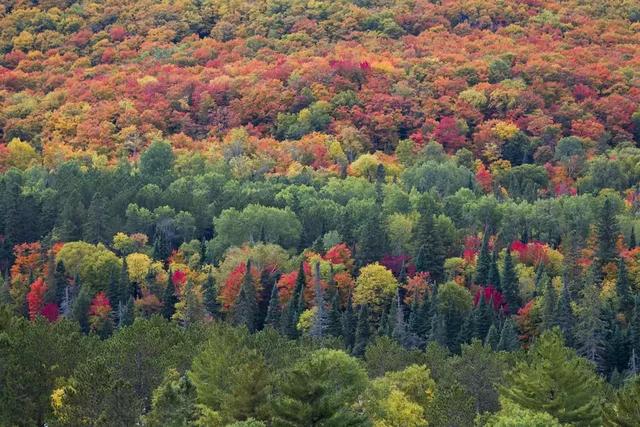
{"points": [[273, 311], [483, 266], [173, 403], [508, 337], [320, 391], [509, 283], [556, 381], [431, 252], [362, 331], [624, 411], [625, 301], [607, 233], [591, 328], [564, 315], [246, 305], [95, 227], [169, 300]]}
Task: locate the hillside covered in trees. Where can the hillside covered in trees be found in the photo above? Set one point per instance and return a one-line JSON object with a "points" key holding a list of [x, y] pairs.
{"points": [[320, 213]]}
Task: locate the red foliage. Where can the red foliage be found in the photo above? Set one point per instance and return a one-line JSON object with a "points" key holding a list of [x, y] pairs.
{"points": [[395, 263], [492, 294], [287, 282], [35, 297], [179, 280], [484, 178], [100, 306], [339, 254], [50, 312], [532, 253], [28, 262], [231, 287], [417, 286], [448, 134]]}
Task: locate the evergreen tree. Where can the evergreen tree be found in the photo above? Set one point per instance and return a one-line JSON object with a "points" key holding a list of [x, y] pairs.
{"points": [[399, 331], [632, 239], [549, 304], [634, 327], [71, 218], [349, 324], [494, 273], [438, 333], [362, 331], [124, 285], [624, 411], [590, 330], [509, 283], [617, 349], [431, 251], [508, 337], [162, 244], [57, 282], [211, 297], [126, 313], [483, 266], [372, 241], [320, 318], [246, 306], [418, 319], [273, 312], [564, 315], [169, 300], [483, 317], [334, 319], [556, 381], [607, 234], [625, 302], [492, 338], [95, 227], [80, 309]]}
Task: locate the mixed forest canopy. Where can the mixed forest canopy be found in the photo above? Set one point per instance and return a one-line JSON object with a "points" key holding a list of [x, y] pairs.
{"points": [[320, 213]]}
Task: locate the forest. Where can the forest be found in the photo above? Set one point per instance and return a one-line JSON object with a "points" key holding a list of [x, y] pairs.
{"points": [[319, 213]]}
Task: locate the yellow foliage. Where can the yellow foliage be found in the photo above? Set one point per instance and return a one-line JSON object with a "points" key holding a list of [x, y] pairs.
{"points": [[138, 266], [505, 130], [375, 285], [21, 154]]}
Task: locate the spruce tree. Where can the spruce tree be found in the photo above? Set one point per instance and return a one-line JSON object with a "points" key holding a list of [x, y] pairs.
{"points": [[334, 319], [625, 302], [431, 254], [467, 330], [349, 324], [624, 411], [634, 327], [372, 240], [564, 315], [127, 313], [399, 331], [607, 232], [162, 245], [492, 338], [362, 331], [320, 318], [494, 273], [95, 227], [273, 312], [438, 333], [80, 309], [591, 329], [556, 381], [125, 286], [211, 297], [508, 337], [169, 300], [246, 305], [483, 317], [632, 238], [483, 266], [549, 304], [509, 283], [617, 349]]}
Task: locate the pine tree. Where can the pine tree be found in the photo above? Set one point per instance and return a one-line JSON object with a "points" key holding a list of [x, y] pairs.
{"points": [[362, 331], [211, 297], [431, 252], [418, 319], [320, 318], [624, 411], [632, 239], [438, 332], [564, 315], [334, 320], [556, 381], [492, 338], [57, 282], [80, 309], [617, 349], [510, 283], [508, 337], [246, 306], [372, 241], [483, 266], [169, 300], [69, 225], [349, 324], [625, 302], [162, 245], [273, 312], [467, 330], [634, 327], [590, 330], [549, 304], [126, 314], [483, 317]]}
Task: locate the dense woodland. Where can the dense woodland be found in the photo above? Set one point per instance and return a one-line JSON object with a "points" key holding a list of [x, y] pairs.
{"points": [[320, 213]]}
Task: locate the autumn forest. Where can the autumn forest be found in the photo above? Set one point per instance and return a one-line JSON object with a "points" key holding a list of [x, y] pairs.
{"points": [[258, 213]]}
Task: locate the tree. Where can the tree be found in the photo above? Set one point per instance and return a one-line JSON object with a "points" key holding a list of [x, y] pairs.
{"points": [[510, 283], [169, 299], [362, 331], [211, 297], [492, 338], [272, 318], [95, 227], [607, 233], [431, 252], [625, 408], [591, 329], [484, 263], [173, 403], [320, 390], [80, 309], [320, 317], [549, 304], [334, 317], [375, 286], [564, 315], [556, 381], [625, 302], [156, 163], [246, 306], [349, 324], [372, 241], [508, 337]]}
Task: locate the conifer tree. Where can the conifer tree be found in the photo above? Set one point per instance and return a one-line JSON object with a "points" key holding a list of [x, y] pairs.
{"points": [[80, 309], [211, 297], [57, 282], [625, 302], [483, 266], [399, 331], [467, 330], [483, 317], [556, 381], [438, 332], [607, 233], [492, 338], [372, 241], [124, 285], [632, 239], [508, 337], [549, 304], [126, 315], [169, 300], [494, 273], [95, 227], [273, 312], [591, 329], [349, 324], [246, 306], [418, 319], [162, 245], [430, 256], [624, 411], [564, 315], [362, 331], [509, 283], [634, 327], [320, 318], [617, 349], [334, 318]]}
